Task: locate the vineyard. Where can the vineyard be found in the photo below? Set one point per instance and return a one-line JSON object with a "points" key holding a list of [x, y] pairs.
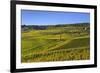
{"points": [[55, 43]]}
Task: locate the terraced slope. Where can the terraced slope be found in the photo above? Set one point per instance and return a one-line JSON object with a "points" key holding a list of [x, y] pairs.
{"points": [[55, 44]]}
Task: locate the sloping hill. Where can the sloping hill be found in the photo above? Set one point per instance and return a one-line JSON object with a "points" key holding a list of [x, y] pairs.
{"points": [[73, 43]]}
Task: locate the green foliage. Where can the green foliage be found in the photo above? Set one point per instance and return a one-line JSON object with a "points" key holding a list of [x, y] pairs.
{"points": [[55, 43]]}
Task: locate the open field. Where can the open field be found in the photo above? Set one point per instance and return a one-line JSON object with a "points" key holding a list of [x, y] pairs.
{"points": [[55, 43]]}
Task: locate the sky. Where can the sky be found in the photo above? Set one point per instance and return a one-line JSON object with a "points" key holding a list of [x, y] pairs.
{"points": [[34, 17]]}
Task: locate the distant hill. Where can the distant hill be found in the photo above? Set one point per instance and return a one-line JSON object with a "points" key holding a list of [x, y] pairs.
{"points": [[43, 27]]}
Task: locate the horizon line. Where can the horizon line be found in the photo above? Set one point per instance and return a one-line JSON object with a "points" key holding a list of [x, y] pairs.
{"points": [[55, 24]]}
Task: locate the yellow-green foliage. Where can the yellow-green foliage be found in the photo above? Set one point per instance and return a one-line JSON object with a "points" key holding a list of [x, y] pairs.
{"points": [[45, 45]]}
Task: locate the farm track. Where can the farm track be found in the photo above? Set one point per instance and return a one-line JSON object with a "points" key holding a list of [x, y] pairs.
{"points": [[65, 43]]}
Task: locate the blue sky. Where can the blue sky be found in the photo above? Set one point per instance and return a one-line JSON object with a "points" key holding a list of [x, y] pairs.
{"points": [[34, 17]]}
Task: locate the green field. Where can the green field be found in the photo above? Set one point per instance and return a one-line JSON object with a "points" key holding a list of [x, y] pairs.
{"points": [[55, 43]]}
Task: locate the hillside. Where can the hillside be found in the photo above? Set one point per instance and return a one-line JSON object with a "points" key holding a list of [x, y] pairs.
{"points": [[55, 42]]}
